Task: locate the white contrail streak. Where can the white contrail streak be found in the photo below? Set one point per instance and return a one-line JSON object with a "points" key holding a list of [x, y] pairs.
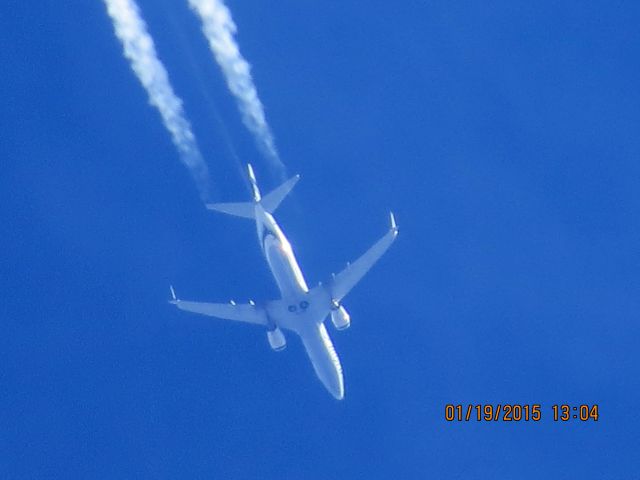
{"points": [[139, 48], [219, 28]]}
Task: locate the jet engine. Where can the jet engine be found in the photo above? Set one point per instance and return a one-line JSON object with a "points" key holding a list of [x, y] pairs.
{"points": [[339, 317], [276, 339]]}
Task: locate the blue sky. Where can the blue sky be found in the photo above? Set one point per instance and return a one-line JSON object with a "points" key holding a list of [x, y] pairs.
{"points": [[503, 135]]}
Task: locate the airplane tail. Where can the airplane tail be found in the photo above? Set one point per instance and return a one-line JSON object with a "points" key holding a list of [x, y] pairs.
{"points": [[269, 202]]}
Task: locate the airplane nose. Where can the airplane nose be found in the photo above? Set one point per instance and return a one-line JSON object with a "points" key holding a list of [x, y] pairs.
{"points": [[338, 394], [324, 360], [337, 389], [333, 381]]}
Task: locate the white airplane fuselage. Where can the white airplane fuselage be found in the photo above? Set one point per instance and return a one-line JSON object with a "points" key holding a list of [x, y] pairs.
{"points": [[295, 295]]}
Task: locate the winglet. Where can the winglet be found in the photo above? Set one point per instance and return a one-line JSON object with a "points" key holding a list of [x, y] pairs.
{"points": [[174, 299], [394, 226]]}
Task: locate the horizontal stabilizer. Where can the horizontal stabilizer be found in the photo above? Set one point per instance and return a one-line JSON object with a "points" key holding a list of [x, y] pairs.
{"points": [[241, 209], [272, 199], [269, 202]]}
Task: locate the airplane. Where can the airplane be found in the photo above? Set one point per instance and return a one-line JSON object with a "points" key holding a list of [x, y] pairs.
{"points": [[300, 310]]}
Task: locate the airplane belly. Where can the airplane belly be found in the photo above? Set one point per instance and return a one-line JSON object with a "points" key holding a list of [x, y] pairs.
{"points": [[284, 268], [324, 359]]}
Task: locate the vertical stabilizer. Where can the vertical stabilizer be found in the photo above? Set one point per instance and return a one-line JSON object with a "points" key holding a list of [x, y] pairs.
{"points": [[254, 183]]}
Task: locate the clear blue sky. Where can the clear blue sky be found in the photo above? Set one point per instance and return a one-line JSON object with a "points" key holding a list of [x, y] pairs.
{"points": [[503, 134]]}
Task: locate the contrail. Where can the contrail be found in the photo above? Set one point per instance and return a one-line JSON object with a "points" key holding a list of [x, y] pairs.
{"points": [[139, 48], [219, 28]]}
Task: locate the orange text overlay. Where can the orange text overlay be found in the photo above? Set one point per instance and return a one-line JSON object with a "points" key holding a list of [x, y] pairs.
{"points": [[515, 412]]}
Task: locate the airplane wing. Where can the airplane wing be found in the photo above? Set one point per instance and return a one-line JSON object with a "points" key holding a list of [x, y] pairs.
{"points": [[343, 282], [247, 312]]}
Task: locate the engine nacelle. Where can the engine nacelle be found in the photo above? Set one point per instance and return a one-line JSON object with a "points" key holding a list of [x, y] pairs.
{"points": [[276, 339], [340, 318]]}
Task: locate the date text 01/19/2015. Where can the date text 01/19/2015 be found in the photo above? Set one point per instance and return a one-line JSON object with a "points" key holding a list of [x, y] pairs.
{"points": [[518, 412]]}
